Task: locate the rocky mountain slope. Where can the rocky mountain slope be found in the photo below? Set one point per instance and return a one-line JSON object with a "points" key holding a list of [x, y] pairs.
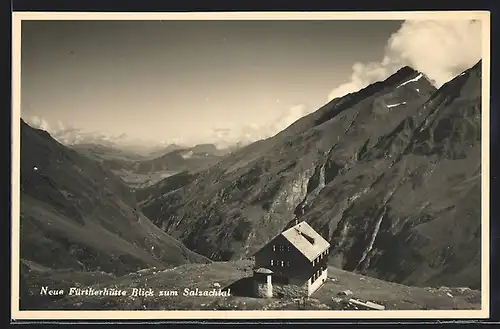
{"points": [[389, 174], [78, 216]]}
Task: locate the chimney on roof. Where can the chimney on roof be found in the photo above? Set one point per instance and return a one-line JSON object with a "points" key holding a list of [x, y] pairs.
{"points": [[307, 237]]}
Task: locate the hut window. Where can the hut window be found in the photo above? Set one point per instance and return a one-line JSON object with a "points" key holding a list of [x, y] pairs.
{"points": [[282, 248], [287, 248], [272, 262], [282, 263], [287, 263], [274, 247]]}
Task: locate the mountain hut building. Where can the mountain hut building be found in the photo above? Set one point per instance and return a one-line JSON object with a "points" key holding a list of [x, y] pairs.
{"points": [[292, 263]]}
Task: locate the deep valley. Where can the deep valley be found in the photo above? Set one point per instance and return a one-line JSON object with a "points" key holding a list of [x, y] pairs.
{"points": [[389, 175]]}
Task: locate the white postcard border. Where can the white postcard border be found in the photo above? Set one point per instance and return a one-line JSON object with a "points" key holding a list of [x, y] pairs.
{"points": [[18, 17]]}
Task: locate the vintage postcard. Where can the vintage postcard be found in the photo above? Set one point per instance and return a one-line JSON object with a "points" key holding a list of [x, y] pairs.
{"points": [[250, 165]]}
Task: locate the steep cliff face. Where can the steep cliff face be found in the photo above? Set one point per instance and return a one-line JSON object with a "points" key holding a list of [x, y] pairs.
{"points": [[386, 174], [410, 207]]}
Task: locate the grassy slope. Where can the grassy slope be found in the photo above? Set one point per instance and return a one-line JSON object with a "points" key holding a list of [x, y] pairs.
{"points": [[206, 276], [79, 217]]}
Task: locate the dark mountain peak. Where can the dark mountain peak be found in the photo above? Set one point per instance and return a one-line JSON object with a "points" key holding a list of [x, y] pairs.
{"points": [[401, 77], [404, 74], [406, 71], [406, 84]]}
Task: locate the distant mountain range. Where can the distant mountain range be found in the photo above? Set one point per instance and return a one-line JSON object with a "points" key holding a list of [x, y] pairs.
{"points": [[390, 175], [76, 137], [77, 215], [173, 158], [183, 159]]}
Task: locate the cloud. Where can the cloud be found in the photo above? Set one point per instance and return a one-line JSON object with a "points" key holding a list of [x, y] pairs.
{"points": [[226, 134], [65, 133], [290, 116], [38, 122], [60, 125], [439, 49]]}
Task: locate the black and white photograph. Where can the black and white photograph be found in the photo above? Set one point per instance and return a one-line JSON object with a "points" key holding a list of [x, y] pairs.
{"points": [[217, 164]]}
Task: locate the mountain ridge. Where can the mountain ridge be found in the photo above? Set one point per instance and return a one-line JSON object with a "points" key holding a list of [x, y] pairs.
{"points": [[77, 215], [357, 140]]}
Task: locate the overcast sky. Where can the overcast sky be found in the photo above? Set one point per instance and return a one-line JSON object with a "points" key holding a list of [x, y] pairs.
{"points": [[204, 81]]}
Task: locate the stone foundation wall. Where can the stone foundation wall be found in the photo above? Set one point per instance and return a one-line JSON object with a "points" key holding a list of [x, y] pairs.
{"points": [[290, 290], [261, 290], [280, 290]]}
